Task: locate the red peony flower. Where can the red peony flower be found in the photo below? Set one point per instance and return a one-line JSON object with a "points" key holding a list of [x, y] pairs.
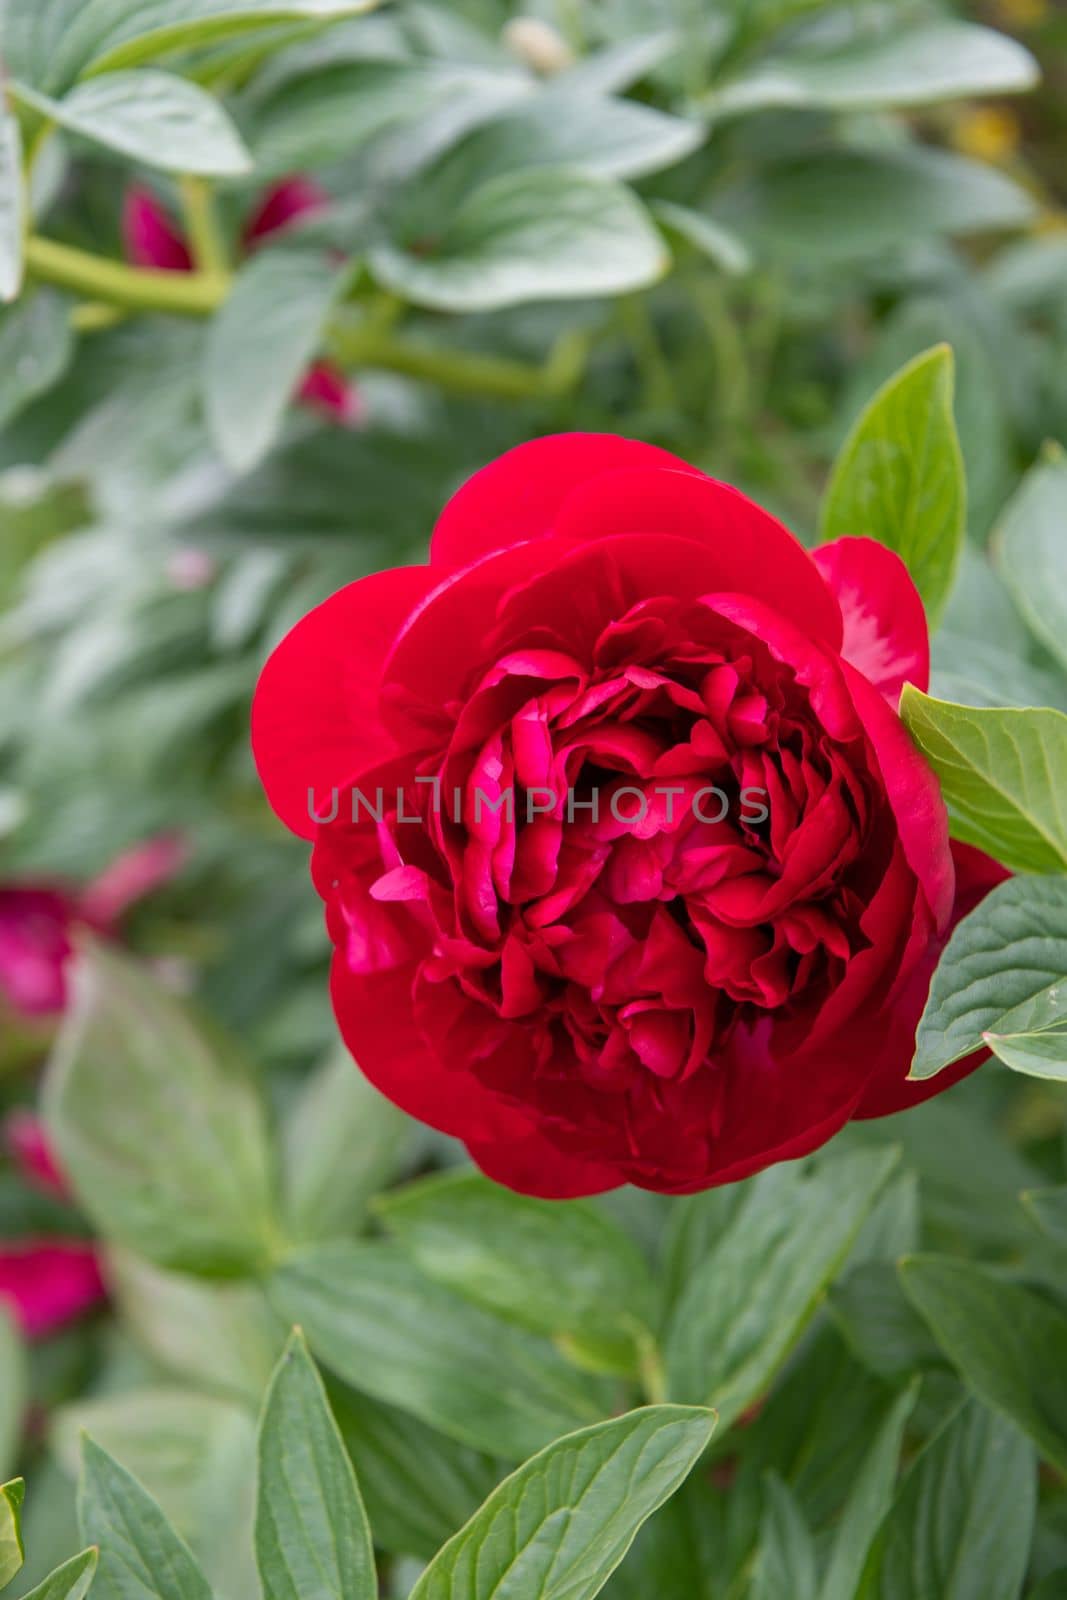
{"points": [[45, 1282], [152, 240], [631, 870]]}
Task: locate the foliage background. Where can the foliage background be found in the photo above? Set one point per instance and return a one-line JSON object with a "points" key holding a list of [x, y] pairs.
{"points": [[749, 215]]}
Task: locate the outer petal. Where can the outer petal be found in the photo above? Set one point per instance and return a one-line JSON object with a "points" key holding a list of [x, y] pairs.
{"points": [[49, 1282], [754, 553], [517, 496], [885, 632], [282, 205], [149, 236], [889, 1089], [376, 1018], [314, 717]]}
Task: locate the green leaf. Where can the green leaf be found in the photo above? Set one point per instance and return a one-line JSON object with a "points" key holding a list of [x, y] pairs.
{"points": [[12, 206], [961, 1526], [71, 1581], [149, 116], [1048, 1207], [868, 1503], [785, 1563], [419, 1486], [1009, 1344], [12, 1390], [541, 234], [50, 45], [560, 1525], [1003, 774], [879, 1323], [193, 1453], [747, 1304], [383, 1327], [341, 1142], [899, 476], [911, 66], [1031, 550], [141, 1556], [11, 1553], [1003, 971], [162, 1136], [36, 346], [718, 244], [557, 1269], [249, 379], [220, 1336], [594, 134], [1038, 1055], [833, 207], [312, 1535]]}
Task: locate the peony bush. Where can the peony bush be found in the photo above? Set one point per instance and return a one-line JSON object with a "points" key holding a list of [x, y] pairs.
{"points": [[584, 479]]}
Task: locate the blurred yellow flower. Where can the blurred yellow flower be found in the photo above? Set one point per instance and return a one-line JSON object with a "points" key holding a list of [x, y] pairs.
{"points": [[988, 133]]}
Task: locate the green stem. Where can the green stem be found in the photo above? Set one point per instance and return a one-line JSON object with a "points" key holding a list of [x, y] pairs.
{"points": [[182, 294], [462, 372], [202, 224]]}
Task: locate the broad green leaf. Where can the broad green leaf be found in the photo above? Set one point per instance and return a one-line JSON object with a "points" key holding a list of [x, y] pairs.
{"points": [[12, 206], [560, 1525], [1003, 972], [423, 106], [71, 1581], [342, 1141], [911, 66], [972, 672], [141, 1556], [313, 1541], [1003, 774], [717, 243], [1038, 1055], [899, 477], [11, 1554], [383, 1327], [1049, 1209], [159, 1130], [419, 1485], [747, 1304], [879, 1323], [868, 1503], [251, 374], [195, 1454], [220, 1336], [619, 65], [558, 1269], [1009, 1344], [1031, 549], [961, 1526], [829, 208], [149, 116], [36, 346], [541, 234], [594, 134], [12, 1390], [50, 45], [785, 1561]]}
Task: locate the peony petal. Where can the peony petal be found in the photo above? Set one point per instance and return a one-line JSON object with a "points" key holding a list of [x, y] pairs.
{"points": [[49, 1282], [130, 877], [327, 389], [314, 716], [282, 205], [885, 632], [149, 237], [754, 553], [517, 496], [889, 1089]]}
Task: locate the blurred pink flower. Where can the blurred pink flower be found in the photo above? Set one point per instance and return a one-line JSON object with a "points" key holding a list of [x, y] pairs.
{"points": [[38, 919], [153, 240], [45, 1282]]}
